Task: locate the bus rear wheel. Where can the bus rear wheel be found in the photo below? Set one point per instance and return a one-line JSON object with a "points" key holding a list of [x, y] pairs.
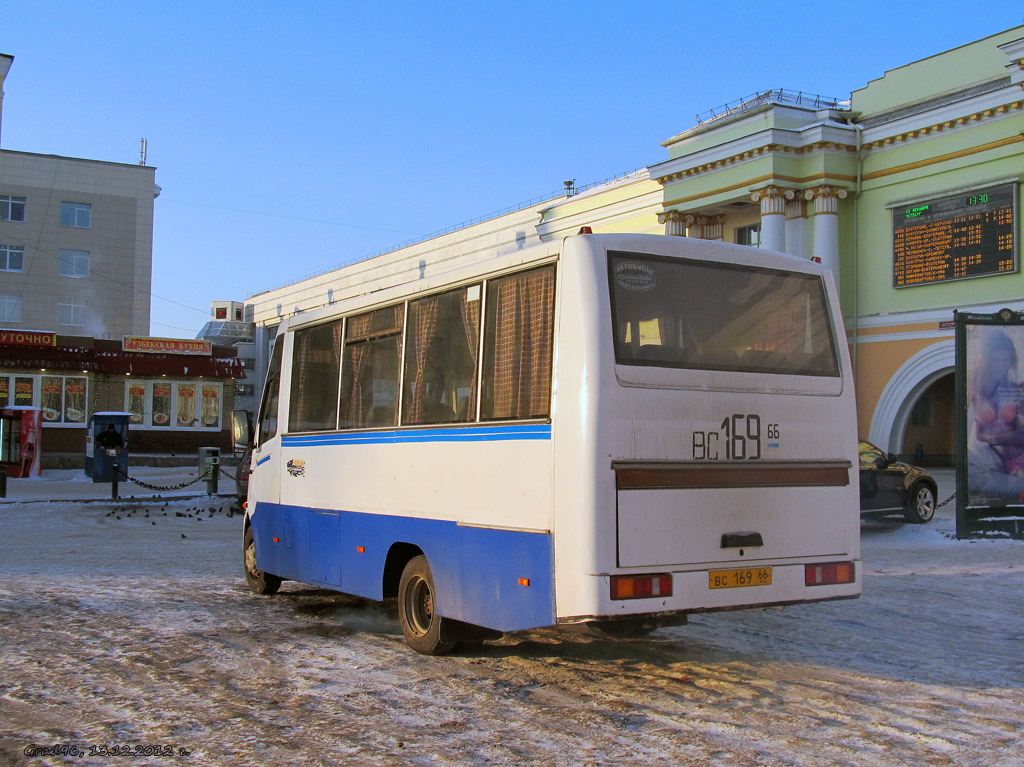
{"points": [[259, 581], [421, 626]]}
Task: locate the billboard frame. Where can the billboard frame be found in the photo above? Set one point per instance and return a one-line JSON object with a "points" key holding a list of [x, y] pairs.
{"points": [[981, 515]]}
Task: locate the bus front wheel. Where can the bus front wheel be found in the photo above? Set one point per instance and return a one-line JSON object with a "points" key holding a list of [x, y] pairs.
{"points": [[421, 626], [259, 581]]}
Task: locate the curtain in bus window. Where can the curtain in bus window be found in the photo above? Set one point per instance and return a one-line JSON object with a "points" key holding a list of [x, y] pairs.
{"points": [[316, 364], [470, 309], [420, 341], [440, 358], [370, 369], [518, 343]]}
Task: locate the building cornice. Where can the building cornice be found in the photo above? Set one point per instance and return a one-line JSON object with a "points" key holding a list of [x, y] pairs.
{"points": [[669, 176], [951, 123], [752, 154], [1017, 139]]}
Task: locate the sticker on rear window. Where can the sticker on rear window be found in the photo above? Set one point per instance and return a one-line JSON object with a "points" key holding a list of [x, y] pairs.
{"points": [[635, 276]]}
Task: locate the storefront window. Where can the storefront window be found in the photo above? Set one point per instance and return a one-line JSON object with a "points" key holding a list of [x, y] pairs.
{"points": [[50, 401], [75, 390], [160, 404], [137, 401], [211, 406], [62, 399], [186, 406], [174, 404], [23, 387]]}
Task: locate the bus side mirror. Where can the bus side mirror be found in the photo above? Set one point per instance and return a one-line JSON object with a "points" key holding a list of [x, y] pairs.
{"points": [[241, 430]]}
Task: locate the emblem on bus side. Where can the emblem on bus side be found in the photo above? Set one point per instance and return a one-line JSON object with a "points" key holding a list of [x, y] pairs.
{"points": [[635, 276], [296, 468]]}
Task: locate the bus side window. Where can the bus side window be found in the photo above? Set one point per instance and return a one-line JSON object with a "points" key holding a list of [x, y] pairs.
{"points": [[268, 408], [316, 364], [441, 349], [370, 367], [518, 345]]}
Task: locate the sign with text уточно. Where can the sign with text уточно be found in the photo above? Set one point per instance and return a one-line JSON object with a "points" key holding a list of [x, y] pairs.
{"points": [[27, 338]]}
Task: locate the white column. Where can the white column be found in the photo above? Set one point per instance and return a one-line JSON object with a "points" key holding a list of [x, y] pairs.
{"points": [[826, 225], [796, 224], [694, 225], [713, 227], [674, 222], [773, 217]]}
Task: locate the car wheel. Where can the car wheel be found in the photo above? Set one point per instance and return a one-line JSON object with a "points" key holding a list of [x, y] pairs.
{"points": [[259, 581], [421, 626], [921, 504]]}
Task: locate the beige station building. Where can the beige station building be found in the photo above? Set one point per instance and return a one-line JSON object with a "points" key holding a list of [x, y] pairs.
{"points": [[908, 189]]}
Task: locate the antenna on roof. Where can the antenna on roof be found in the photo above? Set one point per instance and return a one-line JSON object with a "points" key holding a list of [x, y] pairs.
{"points": [[142, 152]]}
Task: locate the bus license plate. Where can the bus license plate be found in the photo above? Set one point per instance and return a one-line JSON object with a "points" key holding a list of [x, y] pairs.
{"points": [[735, 579]]}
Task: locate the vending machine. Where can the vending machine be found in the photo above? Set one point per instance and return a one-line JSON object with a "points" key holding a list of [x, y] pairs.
{"points": [[21, 435]]}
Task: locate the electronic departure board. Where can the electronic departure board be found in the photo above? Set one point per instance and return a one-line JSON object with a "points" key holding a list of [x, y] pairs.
{"points": [[951, 238]]}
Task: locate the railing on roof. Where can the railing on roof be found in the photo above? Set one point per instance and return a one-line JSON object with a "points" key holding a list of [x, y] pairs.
{"points": [[565, 192], [779, 96]]}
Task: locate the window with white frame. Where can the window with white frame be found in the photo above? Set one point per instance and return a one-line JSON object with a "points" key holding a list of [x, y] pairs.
{"points": [[12, 258], [76, 214], [172, 405], [10, 308], [63, 398], [72, 312], [18, 390], [74, 263], [12, 208]]}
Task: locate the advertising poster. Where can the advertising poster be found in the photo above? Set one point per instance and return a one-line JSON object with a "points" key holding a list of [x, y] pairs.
{"points": [[990, 450], [74, 400], [161, 404], [22, 391], [50, 401]]}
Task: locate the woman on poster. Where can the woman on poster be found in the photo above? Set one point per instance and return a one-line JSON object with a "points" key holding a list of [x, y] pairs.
{"points": [[995, 439]]}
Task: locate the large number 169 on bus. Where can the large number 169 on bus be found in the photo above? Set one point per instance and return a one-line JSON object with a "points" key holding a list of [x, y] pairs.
{"points": [[620, 430]]}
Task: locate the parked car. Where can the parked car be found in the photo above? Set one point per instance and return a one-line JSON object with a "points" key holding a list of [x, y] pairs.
{"points": [[889, 486]]}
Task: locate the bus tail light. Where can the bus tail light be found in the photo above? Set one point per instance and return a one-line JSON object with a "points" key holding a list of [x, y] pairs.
{"points": [[641, 586], [830, 574]]}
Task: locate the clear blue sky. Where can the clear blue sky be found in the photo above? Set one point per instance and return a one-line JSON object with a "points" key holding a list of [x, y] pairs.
{"points": [[290, 137]]}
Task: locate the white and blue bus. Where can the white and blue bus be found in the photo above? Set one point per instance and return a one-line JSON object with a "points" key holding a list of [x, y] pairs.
{"points": [[615, 429]]}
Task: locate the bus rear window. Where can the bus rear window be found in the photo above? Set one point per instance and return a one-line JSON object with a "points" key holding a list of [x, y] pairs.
{"points": [[680, 313]]}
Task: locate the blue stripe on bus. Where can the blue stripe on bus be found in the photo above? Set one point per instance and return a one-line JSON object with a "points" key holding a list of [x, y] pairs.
{"points": [[263, 460], [395, 436], [476, 570]]}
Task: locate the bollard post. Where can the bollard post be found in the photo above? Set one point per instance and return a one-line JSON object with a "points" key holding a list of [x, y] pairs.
{"points": [[113, 483], [212, 477], [3, 481]]}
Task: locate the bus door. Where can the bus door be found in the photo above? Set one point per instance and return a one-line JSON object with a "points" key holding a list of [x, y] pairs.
{"points": [[265, 466]]}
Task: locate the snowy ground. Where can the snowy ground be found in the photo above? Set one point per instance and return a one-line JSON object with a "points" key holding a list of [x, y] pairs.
{"points": [[122, 630]]}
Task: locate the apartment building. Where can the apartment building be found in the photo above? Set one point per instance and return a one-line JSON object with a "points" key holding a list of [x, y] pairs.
{"points": [[76, 242]]}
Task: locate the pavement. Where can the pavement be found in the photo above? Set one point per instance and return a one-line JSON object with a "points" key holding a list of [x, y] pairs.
{"points": [[71, 485]]}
